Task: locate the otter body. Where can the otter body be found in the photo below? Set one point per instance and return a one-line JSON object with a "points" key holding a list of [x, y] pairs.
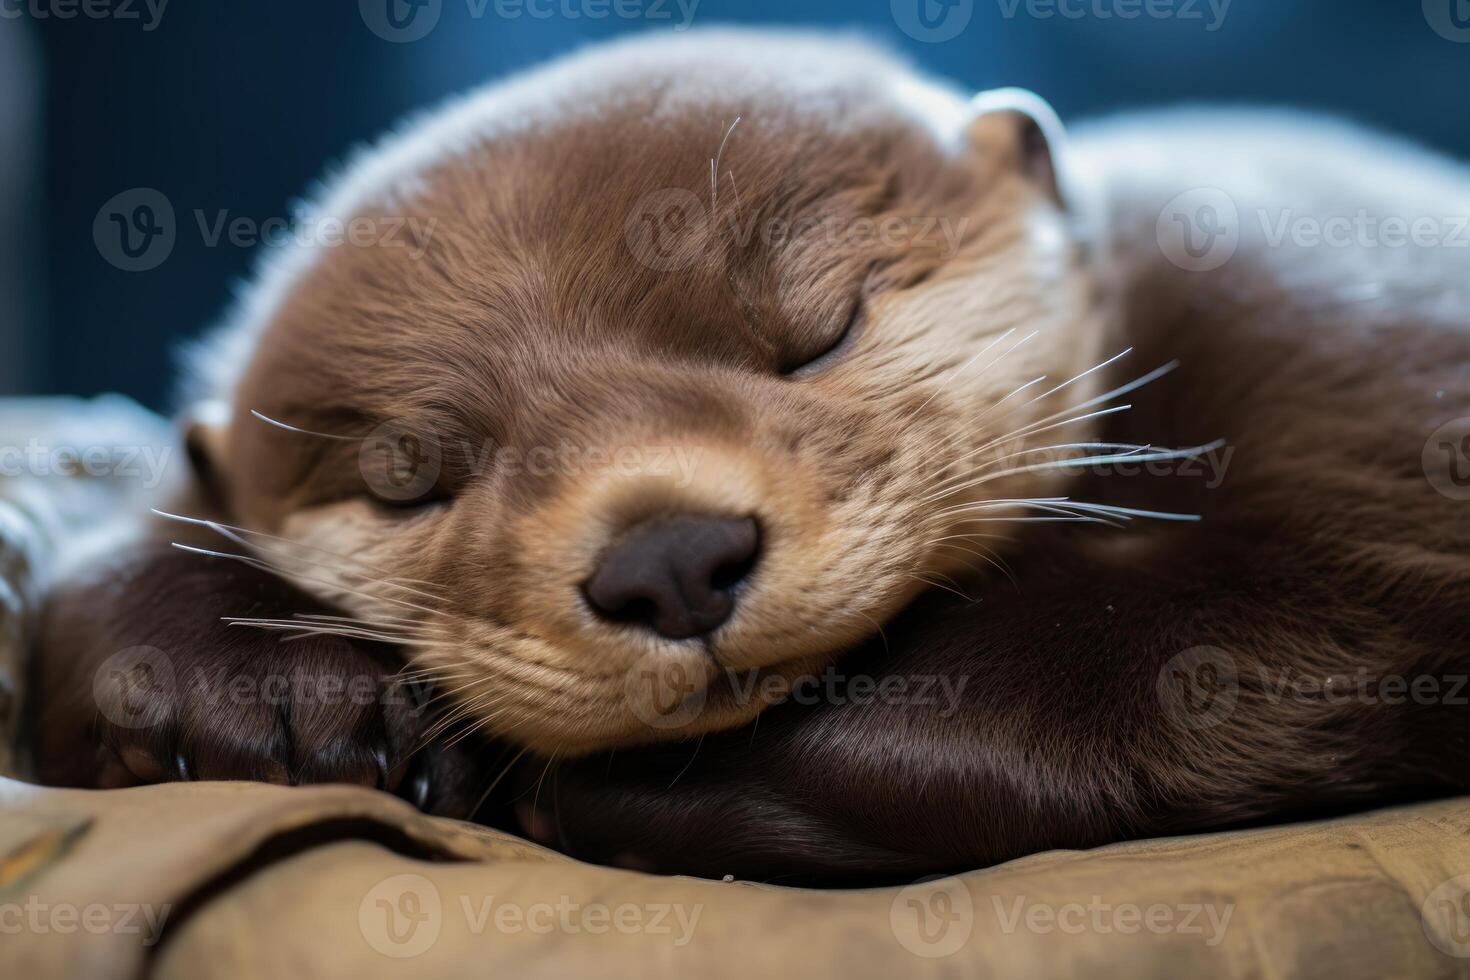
{"points": [[916, 515]]}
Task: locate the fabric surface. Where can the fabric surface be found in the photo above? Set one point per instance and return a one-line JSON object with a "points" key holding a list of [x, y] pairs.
{"points": [[203, 880]]}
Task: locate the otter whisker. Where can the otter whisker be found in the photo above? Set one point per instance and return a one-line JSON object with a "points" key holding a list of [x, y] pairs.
{"points": [[876, 625], [714, 170], [1127, 512], [470, 681], [1037, 426], [536, 799], [697, 746], [427, 668], [304, 621], [1014, 392], [1045, 425], [1131, 457], [736, 191], [461, 711], [305, 630], [1133, 385], [391, 622], [978, 476], [956, 372], [1045, 509], [1044, 520], [560, 682], [1049, 422], [996, 404], [950, 441], [279, 557], [952, 537], [300, 630], [220, 528], [1068, 506], [947, 588], [984, 556], [1052, 504], [450, 688], [383, 621], [1119, 391], [942, 488], [476, 724], [461, 714], [1131, 447], [1125, 447], [266, 566], [1078, 377], [300, 431], [496, 782]]}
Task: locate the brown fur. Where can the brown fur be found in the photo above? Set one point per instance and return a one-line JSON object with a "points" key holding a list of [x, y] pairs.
{"points": [[528, 322]]}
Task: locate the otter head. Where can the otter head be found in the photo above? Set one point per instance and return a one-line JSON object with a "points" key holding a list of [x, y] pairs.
{"points": [[681, 360]]}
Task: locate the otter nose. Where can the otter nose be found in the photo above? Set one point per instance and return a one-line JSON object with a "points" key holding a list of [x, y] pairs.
{"points": [[676, 575]]}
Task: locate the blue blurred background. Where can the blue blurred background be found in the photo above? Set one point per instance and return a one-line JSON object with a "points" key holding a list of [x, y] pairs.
{"points": [[234, 107]]}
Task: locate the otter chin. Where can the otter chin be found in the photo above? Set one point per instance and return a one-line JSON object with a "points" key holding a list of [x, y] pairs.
{"points": [[663, 364]]}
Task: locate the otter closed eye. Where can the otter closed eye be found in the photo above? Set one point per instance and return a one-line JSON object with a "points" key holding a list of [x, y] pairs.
{"points": [[832, 352]]}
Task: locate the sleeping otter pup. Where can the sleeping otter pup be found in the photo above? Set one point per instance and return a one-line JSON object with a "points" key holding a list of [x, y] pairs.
{"points": [[688, 376]]}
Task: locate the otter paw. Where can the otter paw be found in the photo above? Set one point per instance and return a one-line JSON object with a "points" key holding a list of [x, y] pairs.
{"points": [[312, 710]]}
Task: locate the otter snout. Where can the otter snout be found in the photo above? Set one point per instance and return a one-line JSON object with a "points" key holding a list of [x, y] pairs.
{"points": [[675, 575]]}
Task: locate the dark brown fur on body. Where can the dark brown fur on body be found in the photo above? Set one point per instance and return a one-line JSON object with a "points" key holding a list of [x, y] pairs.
{"points": [[1324, 554]]}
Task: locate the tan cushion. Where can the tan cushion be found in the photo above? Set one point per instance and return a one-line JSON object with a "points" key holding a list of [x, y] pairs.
{"points": [[244, 880]]}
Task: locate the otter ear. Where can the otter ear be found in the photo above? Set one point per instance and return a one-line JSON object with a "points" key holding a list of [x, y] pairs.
{"points": [[1023, 132], [205, 426]]}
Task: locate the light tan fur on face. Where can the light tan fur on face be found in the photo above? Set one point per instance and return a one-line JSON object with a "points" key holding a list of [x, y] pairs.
{"points": [[527, 320]]}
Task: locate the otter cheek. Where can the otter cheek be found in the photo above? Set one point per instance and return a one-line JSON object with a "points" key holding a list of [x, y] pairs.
{"points": [[348, 555]]}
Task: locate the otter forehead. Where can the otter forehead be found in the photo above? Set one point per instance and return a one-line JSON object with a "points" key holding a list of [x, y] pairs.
{"points": [[707, 208], [822, 86]]}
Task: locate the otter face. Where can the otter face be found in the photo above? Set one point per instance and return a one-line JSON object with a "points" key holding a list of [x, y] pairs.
{"points": [[623, 390]]}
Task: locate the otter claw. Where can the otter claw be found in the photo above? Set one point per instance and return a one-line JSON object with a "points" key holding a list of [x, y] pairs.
{"points": [[419, 788], [380, 758]]}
